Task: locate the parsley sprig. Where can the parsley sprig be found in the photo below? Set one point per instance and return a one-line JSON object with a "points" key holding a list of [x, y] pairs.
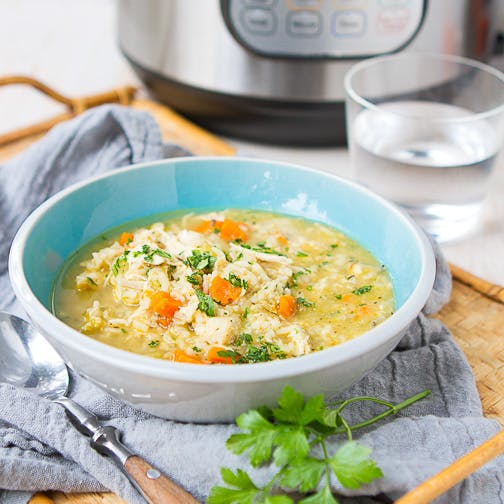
{"points": [[293, 437]]}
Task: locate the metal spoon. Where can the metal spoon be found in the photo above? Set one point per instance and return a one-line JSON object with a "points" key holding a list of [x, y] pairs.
{"points": [[27, 360]]}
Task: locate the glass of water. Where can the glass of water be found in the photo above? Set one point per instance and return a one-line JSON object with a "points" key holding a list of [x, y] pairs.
{"points": [[424, 131]]}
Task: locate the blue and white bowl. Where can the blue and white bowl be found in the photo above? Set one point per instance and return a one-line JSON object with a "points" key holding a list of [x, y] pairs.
{"points": [[217, 393]]}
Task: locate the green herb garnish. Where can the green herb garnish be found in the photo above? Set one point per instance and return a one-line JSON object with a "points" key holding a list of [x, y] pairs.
{"points": [[119, 263], [293, 436], [149, 253], [362, 290], [194, 278], [91, 281], [154, 343], [339, 296], [301, 254], [295, 278], [201, 261], [260, 247], [302, 301], [334, 245], [246, 312], [237, 282], [196, 349], [206, 303]]}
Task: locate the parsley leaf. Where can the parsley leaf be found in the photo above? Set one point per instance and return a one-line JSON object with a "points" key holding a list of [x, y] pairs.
{"points": [[303, 474], [302, 301], [243, 492], [119, 263], [237, 282], [301, 254], [260, 247], [194, 278], [206, 303], [201, 261], [362, 290], [258, 439], [352, 465], [324, 496], [154, 343]]}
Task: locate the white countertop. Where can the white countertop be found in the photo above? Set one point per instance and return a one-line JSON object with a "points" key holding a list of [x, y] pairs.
{"points": [[71, 45]]}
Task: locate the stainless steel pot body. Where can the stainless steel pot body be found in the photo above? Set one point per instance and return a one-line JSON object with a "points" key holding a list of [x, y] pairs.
{"points": [[283, 57]]}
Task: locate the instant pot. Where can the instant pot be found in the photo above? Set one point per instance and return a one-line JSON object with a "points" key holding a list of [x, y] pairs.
{"points": [[272, 70]]}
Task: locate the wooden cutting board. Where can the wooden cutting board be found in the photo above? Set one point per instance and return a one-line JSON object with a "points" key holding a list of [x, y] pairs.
{"points": [[474, 315]]}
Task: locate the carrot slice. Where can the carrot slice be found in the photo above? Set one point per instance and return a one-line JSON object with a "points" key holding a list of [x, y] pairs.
{"points": [[207, 227], [164, 305], [231, 230], [125, 238], [181, 356], [282, 240], [286, 306], [213, 356], [223, 291], [347, 297]]}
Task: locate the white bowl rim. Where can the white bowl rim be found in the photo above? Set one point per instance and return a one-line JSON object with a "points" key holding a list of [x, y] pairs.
{"points": [[278, 369]]}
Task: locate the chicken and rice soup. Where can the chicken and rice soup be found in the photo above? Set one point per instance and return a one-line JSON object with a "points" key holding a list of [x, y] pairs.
{"points": [[227, 287]]}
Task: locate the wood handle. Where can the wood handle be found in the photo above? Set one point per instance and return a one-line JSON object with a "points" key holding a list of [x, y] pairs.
{"points": [[456, 472], [490, 290], [156, 487], [75, 106]]}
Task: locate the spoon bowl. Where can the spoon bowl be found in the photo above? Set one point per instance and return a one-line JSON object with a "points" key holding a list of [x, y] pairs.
{"points": [[28, 360]]}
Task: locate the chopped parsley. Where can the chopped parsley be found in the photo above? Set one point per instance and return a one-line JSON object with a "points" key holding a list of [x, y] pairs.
{"points": [[154, 343], [206, 303], [149, 253], [295, 277], [334, 245], [339, 296], [201, 261], [119, 262], [243, 338], [309, 287], [196, 349], [263, 351], [237, 282], [301, 254], [246, 312], [260, 247], [194, 278], [302, 301], [362, 290], [91, 281]]}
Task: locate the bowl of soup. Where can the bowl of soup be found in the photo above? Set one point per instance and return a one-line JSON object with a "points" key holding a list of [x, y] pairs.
{"points": [[197, 288]]}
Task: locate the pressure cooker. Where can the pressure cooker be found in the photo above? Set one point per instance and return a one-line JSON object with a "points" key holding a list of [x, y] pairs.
{"points": [[272, 70]]}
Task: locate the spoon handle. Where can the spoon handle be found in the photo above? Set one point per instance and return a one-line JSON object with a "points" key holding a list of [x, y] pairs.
{"points": [[150, 482], [156, 487]]}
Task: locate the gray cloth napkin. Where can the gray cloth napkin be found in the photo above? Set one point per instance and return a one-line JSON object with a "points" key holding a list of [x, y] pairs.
{"points": [[39, 449]]}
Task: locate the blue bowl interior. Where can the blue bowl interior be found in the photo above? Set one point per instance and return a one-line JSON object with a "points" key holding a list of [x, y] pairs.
{"points": [[219, 183]]}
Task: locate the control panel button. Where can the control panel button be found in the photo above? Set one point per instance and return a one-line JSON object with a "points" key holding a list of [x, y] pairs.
{"points": [[393, 20], [304, 4], [260, 21], [350, 4], [304, 23], [349, 23], [259, 3]]}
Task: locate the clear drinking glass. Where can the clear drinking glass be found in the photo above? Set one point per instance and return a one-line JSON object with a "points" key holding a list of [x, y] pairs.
{"points": [[424, 131]]}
